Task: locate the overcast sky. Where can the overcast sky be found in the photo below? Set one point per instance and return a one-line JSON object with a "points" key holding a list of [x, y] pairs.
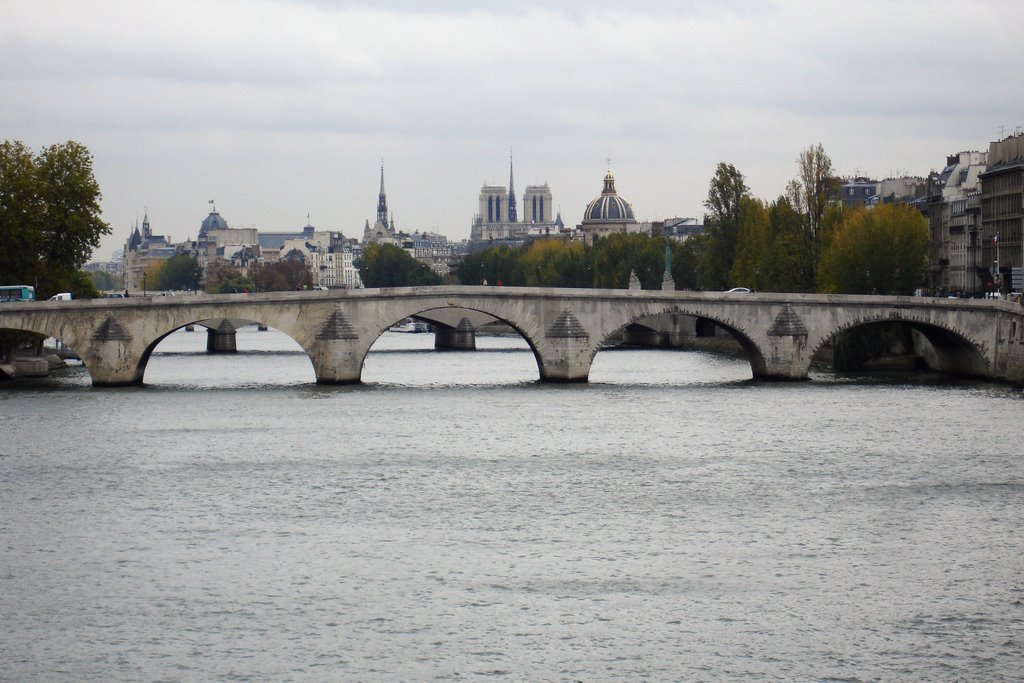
{"points": [[279, 109]]}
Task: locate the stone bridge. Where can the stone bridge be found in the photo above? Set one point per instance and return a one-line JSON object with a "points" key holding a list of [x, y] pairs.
{"points": [[564, 327]]}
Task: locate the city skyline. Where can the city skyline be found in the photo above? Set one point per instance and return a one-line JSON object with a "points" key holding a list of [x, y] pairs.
{"points": [[281, 110]]}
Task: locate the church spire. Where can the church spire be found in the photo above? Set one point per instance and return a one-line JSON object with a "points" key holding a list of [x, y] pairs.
{"points": [[382, 199], [512, 215]]}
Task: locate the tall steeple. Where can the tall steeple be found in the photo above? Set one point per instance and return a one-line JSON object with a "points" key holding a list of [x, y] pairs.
{"points": [[512, 215], [382, 199]]}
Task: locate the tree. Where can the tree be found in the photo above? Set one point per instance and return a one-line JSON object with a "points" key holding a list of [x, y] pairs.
{"points": [[281, 276], [493, 266], [785, 259], [387, 265], [225, 277], [721, 227], [49, 216], [810, 194], [104, 281], [684, 262], [176, 273], [555, 263], [881, 250], [752, 244], [618, 254]]}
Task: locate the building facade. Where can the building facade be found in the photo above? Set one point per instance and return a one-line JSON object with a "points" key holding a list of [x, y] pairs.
{"points": [[953, 224], [858, 191], [1002, 210], [333, 266], [142, 250]]}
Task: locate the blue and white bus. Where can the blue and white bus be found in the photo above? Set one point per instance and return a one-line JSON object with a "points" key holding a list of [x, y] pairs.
{"points": [[17, 293]]}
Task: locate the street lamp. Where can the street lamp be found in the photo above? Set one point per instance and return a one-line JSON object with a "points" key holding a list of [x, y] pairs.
{"points": [[998, 279]]}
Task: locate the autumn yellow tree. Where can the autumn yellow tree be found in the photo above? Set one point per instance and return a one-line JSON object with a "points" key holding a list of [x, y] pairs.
{"points": [[879, 250]]}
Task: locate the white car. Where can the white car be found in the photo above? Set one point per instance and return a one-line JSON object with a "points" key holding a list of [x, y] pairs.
{"points": [[745, 290]]}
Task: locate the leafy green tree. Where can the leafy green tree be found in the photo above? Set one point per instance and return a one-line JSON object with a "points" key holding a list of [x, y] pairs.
{"points": [[176, 273], [684, 262], [49, 216], [881, 250], [233, 285], [49, 223], [555, 263], [494, 266], [752, 244], [618, 254], [387, 265], [783, 268], [721, 227]]}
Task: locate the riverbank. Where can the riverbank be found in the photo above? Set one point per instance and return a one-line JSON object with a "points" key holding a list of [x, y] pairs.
{"points": [[33, 365]]}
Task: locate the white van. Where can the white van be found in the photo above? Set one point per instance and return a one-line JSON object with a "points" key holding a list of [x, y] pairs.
{"points": [[63, 296]]}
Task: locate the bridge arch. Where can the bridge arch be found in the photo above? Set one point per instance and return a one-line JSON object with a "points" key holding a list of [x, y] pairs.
{"points": [[421, 310], [953, 351], [48, 327], [237, 321], [750, 348]]}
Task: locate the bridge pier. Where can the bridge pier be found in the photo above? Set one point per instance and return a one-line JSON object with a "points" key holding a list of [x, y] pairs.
{"points": [[460, 338], [788, 359], [566, 360], [112, 363], [337, 361], [222, 339]]}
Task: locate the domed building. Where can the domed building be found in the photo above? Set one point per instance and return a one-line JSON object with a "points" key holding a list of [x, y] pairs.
{"points": [[212, 222], [215, 236], [607, 213]]}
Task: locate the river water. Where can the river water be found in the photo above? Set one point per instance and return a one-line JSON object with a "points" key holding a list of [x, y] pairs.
{"points": [[454, 519]]}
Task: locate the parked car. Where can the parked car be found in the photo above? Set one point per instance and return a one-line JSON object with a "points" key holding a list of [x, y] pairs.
{"points": [[739, 289]]}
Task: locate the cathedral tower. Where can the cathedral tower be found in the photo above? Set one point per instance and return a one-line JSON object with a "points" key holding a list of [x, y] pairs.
{"points": [[382, 199]]}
